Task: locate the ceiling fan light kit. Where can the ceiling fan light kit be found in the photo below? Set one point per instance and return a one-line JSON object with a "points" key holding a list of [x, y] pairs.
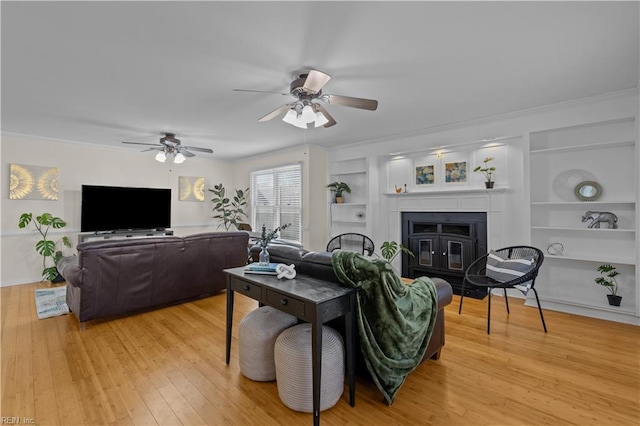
{"points": [[307, 87], [170, 146]]}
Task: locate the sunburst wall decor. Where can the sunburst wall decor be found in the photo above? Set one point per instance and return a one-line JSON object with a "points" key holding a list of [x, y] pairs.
{"points": [[33, 182], [191, 188]]}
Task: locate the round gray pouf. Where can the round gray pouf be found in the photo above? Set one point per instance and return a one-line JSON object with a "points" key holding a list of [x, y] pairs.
{"points": [[294, 369], [257, 335]]}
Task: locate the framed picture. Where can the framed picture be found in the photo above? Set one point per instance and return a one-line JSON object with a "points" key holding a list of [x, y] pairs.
{"points": [[33, 182], [190, 188], [455, 172], [425, 175]]}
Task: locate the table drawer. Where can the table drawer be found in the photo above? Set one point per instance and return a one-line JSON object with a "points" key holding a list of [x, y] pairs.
{"points": [[248, 289], [286, 304]]}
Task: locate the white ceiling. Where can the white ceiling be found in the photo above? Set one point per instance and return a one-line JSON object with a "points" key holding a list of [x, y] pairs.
{"points": [[105, 72]]}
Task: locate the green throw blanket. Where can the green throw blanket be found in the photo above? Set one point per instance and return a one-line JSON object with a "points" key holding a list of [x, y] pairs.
{"points": [[395, 321]]}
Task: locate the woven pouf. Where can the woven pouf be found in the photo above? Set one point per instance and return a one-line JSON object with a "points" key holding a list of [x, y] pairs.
{"points": [[294, 369], [257, 335]]}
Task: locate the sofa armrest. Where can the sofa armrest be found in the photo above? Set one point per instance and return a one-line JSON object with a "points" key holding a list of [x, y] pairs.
{"points": [[70, 270], [445, 292]]}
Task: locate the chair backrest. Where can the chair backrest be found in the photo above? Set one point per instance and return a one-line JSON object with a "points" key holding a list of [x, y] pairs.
{"points": [[514, 252], [244, 227], [352, 242]]}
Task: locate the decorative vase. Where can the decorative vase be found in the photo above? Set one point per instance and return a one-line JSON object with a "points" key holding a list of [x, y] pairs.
{"points": [[489, 184], [264, 256], [339, 200], [614, 300]]}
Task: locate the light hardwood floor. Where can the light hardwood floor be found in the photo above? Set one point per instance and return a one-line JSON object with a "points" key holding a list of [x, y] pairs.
{"points": [[167, 367]]}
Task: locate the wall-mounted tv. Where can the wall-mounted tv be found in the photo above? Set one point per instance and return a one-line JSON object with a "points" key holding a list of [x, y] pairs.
{"points": [[116, 208]]}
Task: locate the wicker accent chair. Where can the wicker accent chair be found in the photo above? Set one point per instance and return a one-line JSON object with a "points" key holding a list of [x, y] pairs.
{"points": [[352, 242], [510, 267]]}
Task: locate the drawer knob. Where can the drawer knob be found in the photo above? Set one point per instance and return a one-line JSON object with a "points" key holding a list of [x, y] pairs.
{"points": [[283, 301], [246, 287]]}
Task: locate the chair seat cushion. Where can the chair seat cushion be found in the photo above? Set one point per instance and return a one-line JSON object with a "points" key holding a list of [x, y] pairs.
{"points": [[504, 270]]}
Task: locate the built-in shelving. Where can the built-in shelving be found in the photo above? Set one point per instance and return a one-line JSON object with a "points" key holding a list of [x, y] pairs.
{"points": [[350, 216], [606, 151]]}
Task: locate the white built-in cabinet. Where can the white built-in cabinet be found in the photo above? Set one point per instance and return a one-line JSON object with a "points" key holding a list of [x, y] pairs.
{"points": [[352, 215], [559, 159]]}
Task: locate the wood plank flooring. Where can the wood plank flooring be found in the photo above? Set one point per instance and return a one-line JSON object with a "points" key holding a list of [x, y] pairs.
{"points": [[167, 367]]}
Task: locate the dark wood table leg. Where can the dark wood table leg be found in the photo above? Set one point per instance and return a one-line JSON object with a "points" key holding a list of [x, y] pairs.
{"points": [[229, 318], [316, 361], [350, 328]]}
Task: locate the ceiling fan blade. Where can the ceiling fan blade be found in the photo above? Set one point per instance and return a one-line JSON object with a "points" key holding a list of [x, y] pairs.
{"points": [[322, 109], [368, 104], [142, 143], [315, 81], [259, 91], [273, 114], [186, 152], [153, 149], [195, 148]]}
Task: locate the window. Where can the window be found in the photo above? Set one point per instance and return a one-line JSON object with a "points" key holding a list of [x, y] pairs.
{"points": [[277, 200]]}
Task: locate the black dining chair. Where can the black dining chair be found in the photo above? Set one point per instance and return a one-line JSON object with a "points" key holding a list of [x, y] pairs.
{"points": [[352, 242], [510, 267]]}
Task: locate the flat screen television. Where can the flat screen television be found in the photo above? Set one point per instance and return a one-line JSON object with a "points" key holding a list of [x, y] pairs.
{"points": [[115, 208]]}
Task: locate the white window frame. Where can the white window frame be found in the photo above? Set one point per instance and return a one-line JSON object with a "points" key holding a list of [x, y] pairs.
{"points": [[274, 199]]}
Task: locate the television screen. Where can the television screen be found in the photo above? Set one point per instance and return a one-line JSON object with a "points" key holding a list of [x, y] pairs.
{"points": [[114, 208]]}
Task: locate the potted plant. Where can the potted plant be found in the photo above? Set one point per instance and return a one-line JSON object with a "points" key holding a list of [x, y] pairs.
{"points": [[265, 239], [608, 280], [487, 171], [228, 211], [339, 188], [390, 249], [46, 247]]}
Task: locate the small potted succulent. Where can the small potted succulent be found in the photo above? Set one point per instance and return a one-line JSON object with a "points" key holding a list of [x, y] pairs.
{"points": [[339, 188], [487, 171], [608, 280]]}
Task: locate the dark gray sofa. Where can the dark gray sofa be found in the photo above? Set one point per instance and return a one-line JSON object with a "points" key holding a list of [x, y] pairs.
{"points": [[116, 277], [318, 264]]}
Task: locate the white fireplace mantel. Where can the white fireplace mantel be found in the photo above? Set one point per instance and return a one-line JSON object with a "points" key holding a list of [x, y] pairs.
{"points": [[490, 201]]}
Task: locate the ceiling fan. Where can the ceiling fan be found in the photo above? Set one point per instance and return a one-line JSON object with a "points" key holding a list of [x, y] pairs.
{"points": [[171, 146], [307, 88]]}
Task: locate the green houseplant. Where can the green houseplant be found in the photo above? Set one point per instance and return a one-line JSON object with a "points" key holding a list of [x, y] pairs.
{"points": [[46, 247], [339, 188], [608, 279], [229, 211], [487, 171], [390, 249], [265, 239]]}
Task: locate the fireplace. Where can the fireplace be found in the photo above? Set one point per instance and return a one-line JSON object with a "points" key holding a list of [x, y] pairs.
{"points": [[444, 244]]}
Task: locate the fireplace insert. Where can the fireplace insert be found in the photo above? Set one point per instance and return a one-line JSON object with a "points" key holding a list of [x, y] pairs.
{"points": [[444, 244]]}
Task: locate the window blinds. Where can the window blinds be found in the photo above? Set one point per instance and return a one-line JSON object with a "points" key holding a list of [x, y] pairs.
{"points": [[277, 200]]}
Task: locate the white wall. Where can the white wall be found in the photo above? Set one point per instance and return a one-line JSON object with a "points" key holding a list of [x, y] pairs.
{"points": [[516, 126], [85, 164], [314, 181]]}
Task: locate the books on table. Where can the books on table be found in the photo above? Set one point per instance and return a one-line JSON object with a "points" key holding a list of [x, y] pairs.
{"points": [[256, 268]]}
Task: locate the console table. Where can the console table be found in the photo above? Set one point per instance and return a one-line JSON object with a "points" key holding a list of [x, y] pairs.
{"points": [[309, 299]]}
